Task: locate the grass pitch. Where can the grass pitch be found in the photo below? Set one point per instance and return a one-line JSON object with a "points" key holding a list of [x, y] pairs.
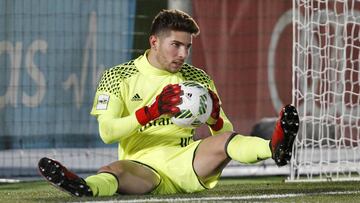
{"points": [[269, 189]]}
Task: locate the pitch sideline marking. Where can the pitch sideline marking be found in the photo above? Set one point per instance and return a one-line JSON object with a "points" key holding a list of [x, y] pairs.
{"points": [[223, 198], [4, 180]]}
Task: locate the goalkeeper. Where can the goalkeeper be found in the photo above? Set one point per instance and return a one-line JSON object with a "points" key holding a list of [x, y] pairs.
{"points": [[133, 105]]}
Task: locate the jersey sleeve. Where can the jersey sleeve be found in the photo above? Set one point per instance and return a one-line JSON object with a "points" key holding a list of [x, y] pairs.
{"points": [[109, 109], [227, 126], [107, 98]]}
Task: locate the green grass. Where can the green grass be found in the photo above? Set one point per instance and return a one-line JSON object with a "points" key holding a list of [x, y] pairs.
{"points": [[248, 188]]}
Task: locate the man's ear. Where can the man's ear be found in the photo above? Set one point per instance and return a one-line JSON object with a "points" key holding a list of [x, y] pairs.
{"points": [[153, 40]]}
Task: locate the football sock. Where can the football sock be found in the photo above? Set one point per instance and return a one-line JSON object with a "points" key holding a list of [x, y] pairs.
{"points": [[247, 149], [102, 184]]}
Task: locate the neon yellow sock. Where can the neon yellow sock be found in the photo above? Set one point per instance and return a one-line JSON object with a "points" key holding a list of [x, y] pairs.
{"points": [[102, 184], [248, 149]]}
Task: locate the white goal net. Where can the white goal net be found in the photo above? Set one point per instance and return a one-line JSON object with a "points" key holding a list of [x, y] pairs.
{"points": [[326, 89]]}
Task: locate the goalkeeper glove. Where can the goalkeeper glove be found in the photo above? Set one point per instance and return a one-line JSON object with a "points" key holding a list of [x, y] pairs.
{"points": [[215, 121], [165, 103]]}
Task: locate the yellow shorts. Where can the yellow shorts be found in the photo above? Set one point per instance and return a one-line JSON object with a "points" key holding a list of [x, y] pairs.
{"points": [[174, 165]]}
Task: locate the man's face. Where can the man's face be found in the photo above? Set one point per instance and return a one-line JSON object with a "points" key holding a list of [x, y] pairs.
{"points": [[171, 49]]}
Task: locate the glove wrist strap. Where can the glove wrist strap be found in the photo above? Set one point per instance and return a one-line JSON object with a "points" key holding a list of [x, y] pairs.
{"points": [[142, 115], [218, 125], [211, 121]]}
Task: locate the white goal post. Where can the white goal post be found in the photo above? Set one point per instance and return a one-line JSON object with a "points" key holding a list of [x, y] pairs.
{"points": [[326, 90]]}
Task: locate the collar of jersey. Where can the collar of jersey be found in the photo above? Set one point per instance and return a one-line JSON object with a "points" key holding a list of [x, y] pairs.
{"points": [[145, 67]]}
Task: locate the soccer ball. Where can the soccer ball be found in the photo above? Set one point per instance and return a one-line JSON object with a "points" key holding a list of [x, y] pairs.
{"points": [[196, 105]]}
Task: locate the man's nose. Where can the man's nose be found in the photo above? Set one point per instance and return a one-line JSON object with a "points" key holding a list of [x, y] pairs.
{"points": [[183, 52]]}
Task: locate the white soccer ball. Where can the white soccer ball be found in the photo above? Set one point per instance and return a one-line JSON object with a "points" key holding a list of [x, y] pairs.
{"points": [[196, 105]]}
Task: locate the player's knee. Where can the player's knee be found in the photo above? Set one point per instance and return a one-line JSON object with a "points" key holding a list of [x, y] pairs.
{"points": [[104, 169], [222, 141], [115, 170], [226, 137], [229, 136]]}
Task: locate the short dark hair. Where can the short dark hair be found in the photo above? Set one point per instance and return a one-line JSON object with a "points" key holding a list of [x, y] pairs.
{"points": [[167, 20]]}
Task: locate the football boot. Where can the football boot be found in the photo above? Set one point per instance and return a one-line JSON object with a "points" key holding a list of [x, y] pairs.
{"points": [[62, 178], [282, 140]]}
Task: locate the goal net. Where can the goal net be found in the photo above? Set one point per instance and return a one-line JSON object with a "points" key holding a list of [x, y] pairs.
{"points": [[326, 89]]}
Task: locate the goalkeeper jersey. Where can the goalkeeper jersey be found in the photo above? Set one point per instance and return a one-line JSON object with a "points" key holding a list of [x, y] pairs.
{"points": [[125, 88]]}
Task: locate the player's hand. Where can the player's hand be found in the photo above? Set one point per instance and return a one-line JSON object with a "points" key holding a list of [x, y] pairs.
{"points": [[166, 103], [215, 121]]}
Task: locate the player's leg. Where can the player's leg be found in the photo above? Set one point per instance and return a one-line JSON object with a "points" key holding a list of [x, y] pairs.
{"points": [[131, 178], [215, 152], [210, 157], [121, 176]]}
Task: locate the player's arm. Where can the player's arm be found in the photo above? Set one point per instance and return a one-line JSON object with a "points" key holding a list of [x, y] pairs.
{"points": [[218, 122], [108, 108]]}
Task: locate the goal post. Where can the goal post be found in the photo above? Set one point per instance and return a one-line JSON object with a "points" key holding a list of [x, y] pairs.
{"points": [[326, 90]]}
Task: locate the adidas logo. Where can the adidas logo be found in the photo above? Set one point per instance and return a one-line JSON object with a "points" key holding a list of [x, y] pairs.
{"points": [[136, 97]]}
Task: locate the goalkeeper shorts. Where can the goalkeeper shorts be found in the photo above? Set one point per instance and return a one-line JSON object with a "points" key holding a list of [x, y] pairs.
{"points": [[174, 166]]}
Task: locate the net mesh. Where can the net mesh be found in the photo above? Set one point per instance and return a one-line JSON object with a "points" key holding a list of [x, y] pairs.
{"points": [[326, 89]]}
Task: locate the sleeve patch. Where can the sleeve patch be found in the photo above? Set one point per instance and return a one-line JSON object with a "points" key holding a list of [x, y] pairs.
{"points": [[102, 102]]}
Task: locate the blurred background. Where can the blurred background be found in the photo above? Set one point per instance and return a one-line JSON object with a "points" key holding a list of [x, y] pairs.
{"points": [[52, 53]]}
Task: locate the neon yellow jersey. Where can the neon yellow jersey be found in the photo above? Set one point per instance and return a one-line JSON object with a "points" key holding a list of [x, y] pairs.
{"points": [[125, 88]]}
